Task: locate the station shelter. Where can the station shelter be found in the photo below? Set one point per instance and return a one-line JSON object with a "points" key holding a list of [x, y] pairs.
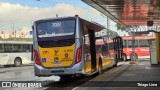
{"points": [[135, 13]]}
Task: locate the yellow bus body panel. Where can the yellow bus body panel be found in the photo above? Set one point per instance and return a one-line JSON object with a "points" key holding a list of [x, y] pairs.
{"points": [[57, 56], [88, 66], [106, 61]]}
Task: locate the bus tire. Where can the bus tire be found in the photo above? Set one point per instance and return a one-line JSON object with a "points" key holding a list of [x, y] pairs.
{"points": [[115, 65], [133, 56], [17, 62], [100, 67], [124, 57]]}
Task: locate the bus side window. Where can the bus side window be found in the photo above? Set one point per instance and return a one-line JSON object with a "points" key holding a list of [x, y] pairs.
{"points": [[31, 48], [111, 46], [27, 48], [98, 48], [1, 48], [125, 43], [104, 48], [7, 47], [143, 43], [132, 43], [14, 48]]}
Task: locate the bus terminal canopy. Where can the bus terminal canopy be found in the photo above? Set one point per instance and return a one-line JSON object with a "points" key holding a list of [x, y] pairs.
{"points": [[92, 26], [129, 12]]}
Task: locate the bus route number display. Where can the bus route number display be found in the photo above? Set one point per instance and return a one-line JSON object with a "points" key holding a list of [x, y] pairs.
{"points": [[56, 24]]}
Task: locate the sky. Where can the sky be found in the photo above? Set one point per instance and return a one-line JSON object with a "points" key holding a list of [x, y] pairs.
{"points": [[20, 14]]}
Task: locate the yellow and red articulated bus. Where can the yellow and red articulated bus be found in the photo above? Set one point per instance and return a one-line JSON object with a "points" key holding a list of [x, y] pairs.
{"points": [[66, 46]]}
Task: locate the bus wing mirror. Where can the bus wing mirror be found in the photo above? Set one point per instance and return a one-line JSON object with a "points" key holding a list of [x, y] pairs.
{"points": [[32, 28]]}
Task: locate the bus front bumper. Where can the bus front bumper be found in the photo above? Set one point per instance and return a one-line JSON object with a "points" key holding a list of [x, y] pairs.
{"points": [[74, 70]]}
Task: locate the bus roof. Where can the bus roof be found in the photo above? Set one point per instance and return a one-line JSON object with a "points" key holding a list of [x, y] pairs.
{"points": [[138, 37], [88, 25], [55, 18], [16, 42], [101, 42]]}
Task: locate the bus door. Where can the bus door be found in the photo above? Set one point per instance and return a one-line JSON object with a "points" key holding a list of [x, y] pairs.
{"points": [[118, 48], [92, 50]]}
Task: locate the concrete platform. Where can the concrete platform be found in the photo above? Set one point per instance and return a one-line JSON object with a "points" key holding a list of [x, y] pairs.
{"points": [[126, 77]]}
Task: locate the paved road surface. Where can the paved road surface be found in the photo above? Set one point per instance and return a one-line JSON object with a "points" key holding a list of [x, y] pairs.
{"points": [[142, 71]]}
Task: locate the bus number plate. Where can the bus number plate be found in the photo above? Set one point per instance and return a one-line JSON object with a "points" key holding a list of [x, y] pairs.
{"points": [[57, 63]]}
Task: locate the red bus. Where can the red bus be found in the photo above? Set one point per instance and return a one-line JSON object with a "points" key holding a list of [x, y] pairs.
{"points": [[137, 48], [141, 47]]}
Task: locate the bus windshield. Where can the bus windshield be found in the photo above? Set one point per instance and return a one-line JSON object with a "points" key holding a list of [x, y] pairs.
{"points": [[52, 28]]}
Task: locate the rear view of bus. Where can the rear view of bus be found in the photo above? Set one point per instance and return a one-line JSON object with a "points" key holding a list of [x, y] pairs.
{"points": [[54, 47]]}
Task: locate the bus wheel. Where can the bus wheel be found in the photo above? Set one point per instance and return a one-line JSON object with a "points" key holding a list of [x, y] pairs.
{"points": [[17, 62], [133, 56], [124, 57], [115, 65], [100, 68], [116, 62]]}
